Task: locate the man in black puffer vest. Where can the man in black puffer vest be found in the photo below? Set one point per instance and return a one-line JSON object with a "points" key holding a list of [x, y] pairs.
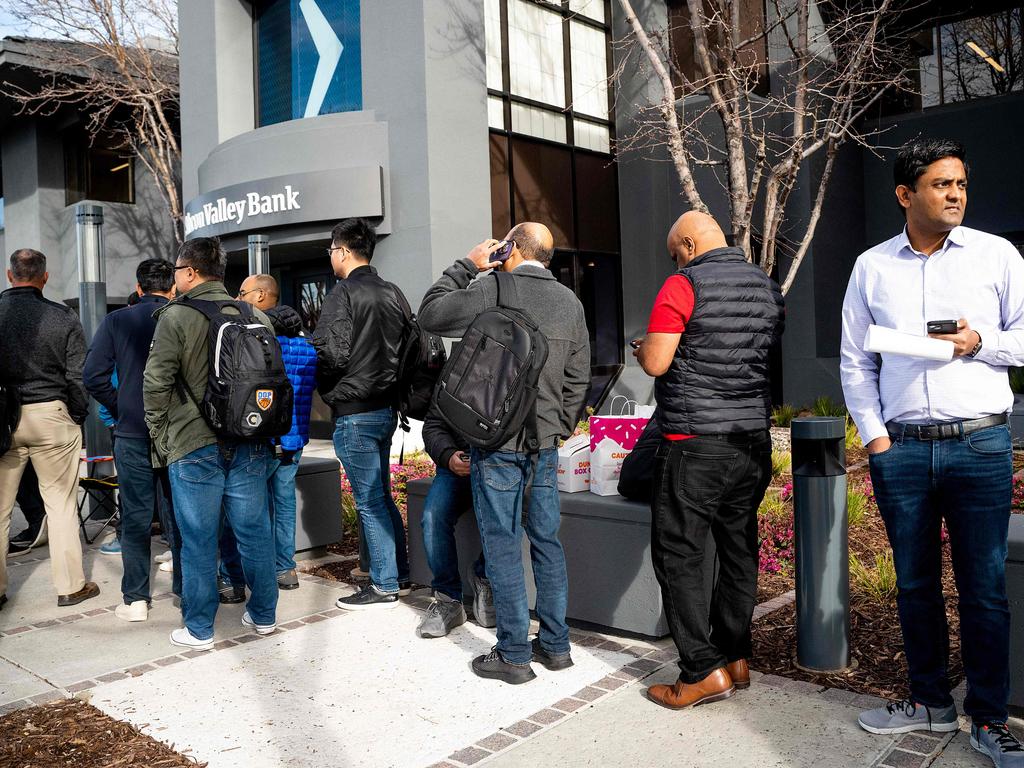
{"points": [[708, 343]]}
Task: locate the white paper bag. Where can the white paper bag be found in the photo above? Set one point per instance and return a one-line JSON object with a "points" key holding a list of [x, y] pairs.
{"points": [[574, 464], [606, 466], [890, 341]]}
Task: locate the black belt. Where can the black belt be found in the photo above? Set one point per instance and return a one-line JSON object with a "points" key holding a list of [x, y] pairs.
{"points": [[946, 430]]}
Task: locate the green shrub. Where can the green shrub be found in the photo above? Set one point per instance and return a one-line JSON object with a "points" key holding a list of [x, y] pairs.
{"points": [[781, 464], [783, 415], [878, 583], [826, 406], [1017, 380], [856, 505], [852, 435], [772, 505]]}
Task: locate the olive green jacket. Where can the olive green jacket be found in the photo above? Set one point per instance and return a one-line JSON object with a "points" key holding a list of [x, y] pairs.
{"points": [[180, 349]]}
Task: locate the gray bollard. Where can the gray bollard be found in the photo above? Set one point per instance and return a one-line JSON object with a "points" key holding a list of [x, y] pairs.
{"points": [[822, 544]]}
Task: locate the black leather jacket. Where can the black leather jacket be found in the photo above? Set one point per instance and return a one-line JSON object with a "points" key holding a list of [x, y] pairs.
{"points": [[357, 341], [42, 350]]}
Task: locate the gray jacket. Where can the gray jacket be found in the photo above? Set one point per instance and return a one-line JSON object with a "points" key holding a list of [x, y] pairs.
{"points": [[456, 299]]}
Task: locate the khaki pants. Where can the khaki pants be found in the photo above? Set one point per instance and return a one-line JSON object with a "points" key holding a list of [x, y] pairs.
{"points": [[49, 438]]}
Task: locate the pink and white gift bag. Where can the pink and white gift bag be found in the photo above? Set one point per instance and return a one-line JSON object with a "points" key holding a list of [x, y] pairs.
{"points": [[611, 440]]}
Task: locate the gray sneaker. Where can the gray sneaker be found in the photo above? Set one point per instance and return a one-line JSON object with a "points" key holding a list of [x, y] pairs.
{"points": [[906, 716], [443, 615], [483, 602], [996, 741], [288, 580]]}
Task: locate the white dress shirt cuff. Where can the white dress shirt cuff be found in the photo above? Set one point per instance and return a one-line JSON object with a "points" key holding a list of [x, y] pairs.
{"points": [[871, 427]]}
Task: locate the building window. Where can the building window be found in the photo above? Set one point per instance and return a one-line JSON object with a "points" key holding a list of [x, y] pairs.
{"points": [[95, 169], [308, 59], [972, 58]]}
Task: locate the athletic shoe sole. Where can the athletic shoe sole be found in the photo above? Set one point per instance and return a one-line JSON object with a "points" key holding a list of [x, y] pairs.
{"points": [[712, 698], [207, 646], [261, 629], [933, 727], [505, 677], [367, 607]]}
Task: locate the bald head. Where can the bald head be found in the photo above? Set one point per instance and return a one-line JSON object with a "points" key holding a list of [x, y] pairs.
{"points": [[260, 291], [693, 234], [534, 241]]}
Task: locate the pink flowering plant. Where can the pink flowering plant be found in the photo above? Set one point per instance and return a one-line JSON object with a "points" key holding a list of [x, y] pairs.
{"points": [[775, 531]]}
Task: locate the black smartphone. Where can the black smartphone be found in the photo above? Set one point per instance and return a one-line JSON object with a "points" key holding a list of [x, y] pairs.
{"points": [[635, 343], [504, 252], [942, 326]]}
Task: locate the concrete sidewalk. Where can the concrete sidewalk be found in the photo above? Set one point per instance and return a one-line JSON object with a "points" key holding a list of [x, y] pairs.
{"points": [[359, 689]]}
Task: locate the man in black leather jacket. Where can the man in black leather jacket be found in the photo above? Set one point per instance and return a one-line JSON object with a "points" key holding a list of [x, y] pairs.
{"points": [[42, 350], [358, 340]]}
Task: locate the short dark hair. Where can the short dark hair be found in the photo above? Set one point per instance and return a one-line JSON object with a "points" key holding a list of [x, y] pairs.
{"points": [[914, 158], [530, 246], [205, 255], [27, 265], [356, 234], [155, 275]]}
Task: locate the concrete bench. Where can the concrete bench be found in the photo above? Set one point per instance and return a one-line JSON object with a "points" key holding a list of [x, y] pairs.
{"points": [[1015, 591], [317, 503], [607, 542]]}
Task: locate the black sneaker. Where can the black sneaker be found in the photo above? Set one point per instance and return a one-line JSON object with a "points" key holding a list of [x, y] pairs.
{"points": [[3, 599], [404, 588], [553, 661], [26, 541], [230, 593], [496, 668], [368, 597]]}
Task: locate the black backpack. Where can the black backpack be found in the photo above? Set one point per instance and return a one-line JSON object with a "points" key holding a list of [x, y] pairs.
{"points": [[10, 415], [420, 361], [248, 393], [488, 389]]}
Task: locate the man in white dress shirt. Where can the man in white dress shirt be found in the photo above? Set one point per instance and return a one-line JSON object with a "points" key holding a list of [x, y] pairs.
{"points": [[938, 442]]}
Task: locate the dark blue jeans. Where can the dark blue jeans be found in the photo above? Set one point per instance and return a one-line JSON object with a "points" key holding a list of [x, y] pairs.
{"points": [[363, 444], [229, 480], [449, 496], [281, 497], [499, 480], [967, 481], [136, 483]]}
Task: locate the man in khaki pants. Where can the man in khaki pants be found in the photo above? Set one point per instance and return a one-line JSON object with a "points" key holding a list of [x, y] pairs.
{"points": [[42, 349]]}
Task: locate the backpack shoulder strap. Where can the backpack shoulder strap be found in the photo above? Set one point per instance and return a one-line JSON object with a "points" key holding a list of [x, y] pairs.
{"points": [[211, 309], [508, 295]]}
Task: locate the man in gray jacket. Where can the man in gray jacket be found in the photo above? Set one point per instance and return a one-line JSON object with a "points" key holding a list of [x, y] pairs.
{"points": [[500, 478]]}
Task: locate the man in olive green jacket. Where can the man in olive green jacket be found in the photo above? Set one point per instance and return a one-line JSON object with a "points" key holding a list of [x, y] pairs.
{"points": [[210, 476]]}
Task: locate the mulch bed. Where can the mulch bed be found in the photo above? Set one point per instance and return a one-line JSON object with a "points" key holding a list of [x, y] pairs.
{"points": [[72, 734], [875, 637]]}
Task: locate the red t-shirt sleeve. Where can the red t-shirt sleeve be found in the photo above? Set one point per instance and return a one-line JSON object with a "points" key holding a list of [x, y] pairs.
{"points": [[673, 307]]}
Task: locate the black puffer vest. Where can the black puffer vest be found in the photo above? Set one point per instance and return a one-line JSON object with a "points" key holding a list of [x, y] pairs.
{"points": [[718, 380]]}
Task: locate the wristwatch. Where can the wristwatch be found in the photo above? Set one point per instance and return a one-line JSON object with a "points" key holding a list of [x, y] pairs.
{"points": [[977, 347]]}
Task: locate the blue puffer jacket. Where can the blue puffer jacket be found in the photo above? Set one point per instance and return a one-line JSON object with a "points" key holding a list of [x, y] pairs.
{"points": [[300, 364]]}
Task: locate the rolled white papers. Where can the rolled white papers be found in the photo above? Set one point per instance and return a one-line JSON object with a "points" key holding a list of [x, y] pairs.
{"points": [[893, 342]]}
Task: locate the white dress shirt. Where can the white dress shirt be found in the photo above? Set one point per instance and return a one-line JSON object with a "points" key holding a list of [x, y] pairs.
{"points": [[975, 275]]}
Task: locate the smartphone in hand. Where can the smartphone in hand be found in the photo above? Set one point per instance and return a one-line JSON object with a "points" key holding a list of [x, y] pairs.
{"points": [[943, 326], [504, 251]]}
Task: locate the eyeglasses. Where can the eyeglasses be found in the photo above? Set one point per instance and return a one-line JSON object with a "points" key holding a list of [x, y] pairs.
{"points": [[333, 248], [184, 266], [253, 290]]}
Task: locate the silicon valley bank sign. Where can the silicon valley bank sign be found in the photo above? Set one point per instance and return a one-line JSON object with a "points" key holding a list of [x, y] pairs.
{"points": [[300, 198]]}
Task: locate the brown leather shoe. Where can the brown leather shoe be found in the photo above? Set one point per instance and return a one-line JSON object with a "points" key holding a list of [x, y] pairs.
{"points": [[89, 590], [715, 687], [740, 673]]}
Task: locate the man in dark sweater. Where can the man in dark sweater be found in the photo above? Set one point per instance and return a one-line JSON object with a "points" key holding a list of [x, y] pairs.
{"points": [[42, 348], [501, 477], [450, 495], [707, 342], [122, 342]]}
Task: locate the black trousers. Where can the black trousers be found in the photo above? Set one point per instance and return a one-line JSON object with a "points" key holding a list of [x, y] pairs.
{"points": [[704, 482]]}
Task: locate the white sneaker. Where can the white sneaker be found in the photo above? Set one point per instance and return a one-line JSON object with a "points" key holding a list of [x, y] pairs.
{"points": [[185, 639], [135, 611], [166, 567], [261, 629], [164, 557]]}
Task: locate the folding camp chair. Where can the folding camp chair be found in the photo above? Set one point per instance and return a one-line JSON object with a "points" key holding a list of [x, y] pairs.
{"points": [[102, 490]]}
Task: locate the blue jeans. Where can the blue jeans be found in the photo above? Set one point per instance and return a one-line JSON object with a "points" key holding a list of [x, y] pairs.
{"points": [[363, 444], [281, 497], [136, 487], [228, 479], [499, 479], [449, 496], [967, 481]]}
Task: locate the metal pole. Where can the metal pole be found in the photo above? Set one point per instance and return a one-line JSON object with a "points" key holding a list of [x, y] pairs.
{"points": [[822, 544], [259, 255], [92, 305]]}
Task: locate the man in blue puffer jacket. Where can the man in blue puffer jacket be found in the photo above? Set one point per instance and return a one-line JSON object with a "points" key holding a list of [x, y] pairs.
{"points": [[300, 363]]}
